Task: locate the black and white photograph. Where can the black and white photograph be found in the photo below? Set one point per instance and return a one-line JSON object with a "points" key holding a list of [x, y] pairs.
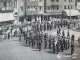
{"points": [[39, 29]]}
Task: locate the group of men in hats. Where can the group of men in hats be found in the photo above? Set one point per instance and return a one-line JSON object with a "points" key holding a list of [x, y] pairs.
{"points": [[40, 40]]}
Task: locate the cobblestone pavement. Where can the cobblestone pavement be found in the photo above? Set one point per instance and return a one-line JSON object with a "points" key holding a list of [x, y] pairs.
{"points": [[12, 49], [54, 32]]}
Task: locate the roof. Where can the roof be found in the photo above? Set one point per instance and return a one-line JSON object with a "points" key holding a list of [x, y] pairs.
{"points": [[6, 17], [70, 12]]}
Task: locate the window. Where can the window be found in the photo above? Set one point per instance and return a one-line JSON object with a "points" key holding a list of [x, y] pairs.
{"points": [[65, 0], [70, 0], [64, 7], [40, 7], [68, 7], [34, 8], [57, 7], [52, 7], [52, 0], [28, 8], [15, 3], [71, 7], [40, 0], [7, 5], [21, 7], [21, 0], [48, 7], [57, 0], [28, 0], [78, 0]]}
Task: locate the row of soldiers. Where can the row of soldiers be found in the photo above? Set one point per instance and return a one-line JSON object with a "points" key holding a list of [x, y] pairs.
{"points": [[49, 26], [40, 40]]}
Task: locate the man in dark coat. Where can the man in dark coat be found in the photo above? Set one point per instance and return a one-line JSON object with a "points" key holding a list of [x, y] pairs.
{"points": [[53, 46], [63, 43], [62, 46], [39, 45], [68, 44], [50, 42], [57, 47]]}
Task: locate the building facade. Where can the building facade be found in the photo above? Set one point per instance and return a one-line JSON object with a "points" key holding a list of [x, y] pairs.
{"points": [[7, 5], [38, 9], [20, 7], [6, 11], [78, 4], [46, 9]]}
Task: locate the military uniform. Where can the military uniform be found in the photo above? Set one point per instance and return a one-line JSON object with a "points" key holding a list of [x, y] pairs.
{"points": [[68, 44], [39, 45], [53, 46], [62, 46], [57, 48], [50, 42]]}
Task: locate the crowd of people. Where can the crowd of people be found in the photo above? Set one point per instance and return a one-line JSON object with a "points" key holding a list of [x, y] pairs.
{"points": [[49, 25], [40, 40], [36, 38]]}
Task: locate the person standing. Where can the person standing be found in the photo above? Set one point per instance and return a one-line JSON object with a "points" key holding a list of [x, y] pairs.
{"points": [[55, 25], [72, 37], [29, 39], [40, 27], [45, 40], [45, 44], [19, 36], [50, 42], [74, 24], [68, 44], [26, 39], [58, 24], [44, 26], [37, 38], [61, 24], [39, 45], [53, 46], [52, 24], [57, 48], [68, 35], [72, 50], [63, 43], [62, 46], [72, 44]]}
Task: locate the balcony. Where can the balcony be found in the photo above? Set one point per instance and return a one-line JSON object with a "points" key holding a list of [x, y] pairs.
{"points": [[32, 12], [52, 11], [5, 9], [32, 3]]}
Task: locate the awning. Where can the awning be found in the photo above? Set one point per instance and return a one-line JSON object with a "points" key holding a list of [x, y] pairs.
{"points": [[6, 17], [71, 12], [52, 13]]}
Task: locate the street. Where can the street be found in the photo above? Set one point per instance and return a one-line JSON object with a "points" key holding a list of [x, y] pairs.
{"points": [[12, 49]]}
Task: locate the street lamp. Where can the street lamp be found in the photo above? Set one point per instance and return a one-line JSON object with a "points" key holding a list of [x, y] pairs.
{"points": [[32, 11], [70, 11]]}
